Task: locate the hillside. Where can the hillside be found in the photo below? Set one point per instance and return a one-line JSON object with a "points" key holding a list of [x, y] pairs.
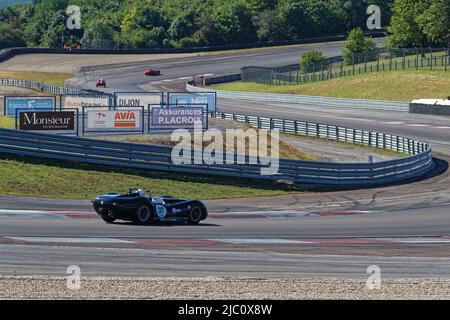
{"points": [[184, 23]]}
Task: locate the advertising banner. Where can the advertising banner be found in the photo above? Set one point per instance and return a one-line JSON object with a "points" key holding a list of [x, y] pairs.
{"points": [[139, 99], [113, 120], [27, 103], [177, 117], [84, 101], [47, 120], [187, 99]]}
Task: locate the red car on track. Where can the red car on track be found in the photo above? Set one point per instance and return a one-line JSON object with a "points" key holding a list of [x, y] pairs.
{"points": [[100, 83], [152, 72]]}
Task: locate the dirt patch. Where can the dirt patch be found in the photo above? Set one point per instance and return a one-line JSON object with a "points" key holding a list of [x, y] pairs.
{"points": [[331, 151], [311, 149], [221, 288]]}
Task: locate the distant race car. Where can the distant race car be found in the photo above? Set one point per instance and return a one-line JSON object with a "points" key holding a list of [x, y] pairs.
{"points": [[135, 206], [152, 72], [100, 83]]}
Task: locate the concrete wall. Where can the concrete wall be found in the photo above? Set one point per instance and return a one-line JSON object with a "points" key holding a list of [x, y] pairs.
{"points": [[437, 110]]}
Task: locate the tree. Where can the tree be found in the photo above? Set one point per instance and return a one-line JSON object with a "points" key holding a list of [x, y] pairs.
{"points": [[233, 24], [181, 27], [406, 29], [10, 37], [266, 25], [356, 46], [293, 20], [435, 22], [311, 59]]}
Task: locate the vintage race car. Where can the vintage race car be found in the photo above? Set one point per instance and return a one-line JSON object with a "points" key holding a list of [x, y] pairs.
{"points": [[152, 72], [100, 83], [135, 206]]}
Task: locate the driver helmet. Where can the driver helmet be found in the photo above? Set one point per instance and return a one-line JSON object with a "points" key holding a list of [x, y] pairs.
{"points": [[141, 192]]}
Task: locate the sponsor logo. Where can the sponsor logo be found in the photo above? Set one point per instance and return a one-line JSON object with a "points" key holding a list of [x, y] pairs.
{"points": [[176, 117], [190, 100], [13, 104], [138, 99], [125, 120], [78, 102], [47, 120], [129, 103]]}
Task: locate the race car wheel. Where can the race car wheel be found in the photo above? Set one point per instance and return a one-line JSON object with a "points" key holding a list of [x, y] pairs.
{"points": [[108, 216], [195, 215], [143, 215]]}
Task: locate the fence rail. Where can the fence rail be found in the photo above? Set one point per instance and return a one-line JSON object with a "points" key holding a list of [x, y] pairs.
{"points": [[153, 157], [34, 85], [336, 67]]}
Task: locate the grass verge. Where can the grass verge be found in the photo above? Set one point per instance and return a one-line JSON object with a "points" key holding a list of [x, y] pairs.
{"points": [[50, 78], [36, 177], [387, 85], [7, 122]]}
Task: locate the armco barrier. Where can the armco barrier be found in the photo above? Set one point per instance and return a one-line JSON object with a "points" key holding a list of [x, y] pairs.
{"points": [[437, 110], [39, 86], [307, 100], [222, 79], [307, 172]]}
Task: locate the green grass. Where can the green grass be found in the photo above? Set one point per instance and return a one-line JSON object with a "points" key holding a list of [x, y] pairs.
{"points": [[57, 179], [7, 122], [385, 64], [386, 85], [50, 78]]}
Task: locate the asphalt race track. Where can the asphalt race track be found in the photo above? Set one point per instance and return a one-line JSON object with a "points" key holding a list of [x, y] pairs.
{"points": [[404, 229], [130, 76]]}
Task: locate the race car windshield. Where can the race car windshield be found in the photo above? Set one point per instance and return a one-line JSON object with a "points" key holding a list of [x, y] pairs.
{"points": [[158, 200]]}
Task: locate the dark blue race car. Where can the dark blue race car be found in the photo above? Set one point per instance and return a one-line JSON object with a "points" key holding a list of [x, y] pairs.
{"points": [[135, 206]]}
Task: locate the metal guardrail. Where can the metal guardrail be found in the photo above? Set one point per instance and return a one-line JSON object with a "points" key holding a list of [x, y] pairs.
{"points": [[380, 59], [303, 172], [307, 100], [34, 85], [437, 110], [222, 79]]}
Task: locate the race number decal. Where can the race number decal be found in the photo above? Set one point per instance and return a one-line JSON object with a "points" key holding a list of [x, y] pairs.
{"points": [[161, 211]]}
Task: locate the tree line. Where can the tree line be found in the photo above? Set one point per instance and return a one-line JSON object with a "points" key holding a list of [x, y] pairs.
{"points": [[183, 23], [193, 23]]}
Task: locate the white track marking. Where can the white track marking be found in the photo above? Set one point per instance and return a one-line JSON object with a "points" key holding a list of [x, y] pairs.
{"points": [[417, 240], [27, 214], [68, 240], [260, 241]]}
